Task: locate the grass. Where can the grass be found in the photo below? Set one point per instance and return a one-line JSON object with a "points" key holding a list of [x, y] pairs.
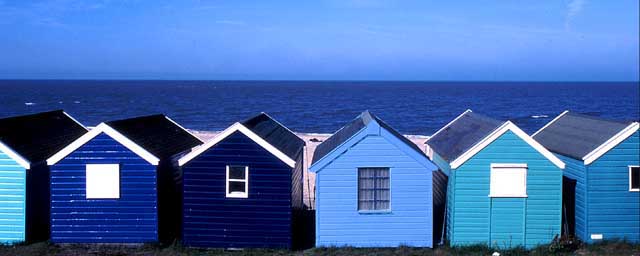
{"points": [[44, 248]]}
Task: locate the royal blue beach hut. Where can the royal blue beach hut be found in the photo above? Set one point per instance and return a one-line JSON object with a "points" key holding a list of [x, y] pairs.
{"points": [[602, 179], [243, 188], [110, 185], [373, 188], [504, 188], [25, 143]]}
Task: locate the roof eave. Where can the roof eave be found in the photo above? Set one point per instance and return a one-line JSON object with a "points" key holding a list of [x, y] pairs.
{"points": [[611, 143]]}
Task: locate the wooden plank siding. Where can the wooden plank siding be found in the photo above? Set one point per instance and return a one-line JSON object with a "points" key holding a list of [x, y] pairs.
{"points": [[613, 210], [409, 222], [12, 200], [522, 221], [133, 218], [261, 220], [575, 170]]}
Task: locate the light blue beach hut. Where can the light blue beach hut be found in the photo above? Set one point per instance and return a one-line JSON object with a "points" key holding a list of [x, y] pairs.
{"points": [[504, 188], [602, 179], [373, 188]]}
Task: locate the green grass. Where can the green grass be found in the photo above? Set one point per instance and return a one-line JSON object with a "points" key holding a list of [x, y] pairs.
{"points": [[43, 248]]}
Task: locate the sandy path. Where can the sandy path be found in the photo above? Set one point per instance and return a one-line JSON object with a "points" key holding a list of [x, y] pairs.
{"points": [[312, 140]]}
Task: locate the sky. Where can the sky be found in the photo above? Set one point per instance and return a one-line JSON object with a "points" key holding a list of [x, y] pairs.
{"points": [[540, 40]]}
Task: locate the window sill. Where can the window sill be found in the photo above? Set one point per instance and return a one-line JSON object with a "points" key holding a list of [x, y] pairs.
{"points": [[509, 196], [634, 190], [375, 212], [237, 196]]}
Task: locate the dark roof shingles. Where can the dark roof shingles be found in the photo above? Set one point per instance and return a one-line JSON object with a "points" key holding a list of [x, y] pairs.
{"points": [[276, 134], [37, 137]]}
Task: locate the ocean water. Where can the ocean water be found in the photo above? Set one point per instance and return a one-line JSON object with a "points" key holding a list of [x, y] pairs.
{"points": [[320, 106]]}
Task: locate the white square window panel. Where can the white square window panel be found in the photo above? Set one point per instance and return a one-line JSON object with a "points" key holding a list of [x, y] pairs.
{"points": [[508, 180], [103, 181]]}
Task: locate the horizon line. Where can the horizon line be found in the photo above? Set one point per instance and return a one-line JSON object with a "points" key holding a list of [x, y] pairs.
{"points": [[321, 80]]}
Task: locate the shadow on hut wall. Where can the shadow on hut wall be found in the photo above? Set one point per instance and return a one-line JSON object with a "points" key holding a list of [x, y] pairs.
{"points": [[304, 229], [38, 203], [440, 181]]}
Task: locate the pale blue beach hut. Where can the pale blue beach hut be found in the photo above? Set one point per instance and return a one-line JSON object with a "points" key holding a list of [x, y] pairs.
{"points": [[373, 188], [602, 179], [504, 188]]}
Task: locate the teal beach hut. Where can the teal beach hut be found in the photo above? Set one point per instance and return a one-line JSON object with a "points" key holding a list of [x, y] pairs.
{"points": [[25, 143], [602, 179], [373, 188], [504, 189]]}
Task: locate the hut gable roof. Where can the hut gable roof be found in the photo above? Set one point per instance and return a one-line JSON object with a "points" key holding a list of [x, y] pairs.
{"points": [[470, 133], [265, 131], [583, 137], [34, 138], [354, 127]]}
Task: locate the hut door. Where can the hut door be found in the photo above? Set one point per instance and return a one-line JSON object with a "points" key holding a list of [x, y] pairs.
{"points": [[507, 222], [568, 206]]}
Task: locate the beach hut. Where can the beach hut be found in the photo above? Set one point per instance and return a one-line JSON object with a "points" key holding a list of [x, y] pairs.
{"points": [[242, 188], [373, 188], [504, 188], [109, 185], [602, 179], [25, 143]]}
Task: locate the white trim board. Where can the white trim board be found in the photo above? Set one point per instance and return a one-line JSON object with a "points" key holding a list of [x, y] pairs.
{"points": [[76, 121], [611, 143], [15, 156], [507, 126], [106, 129], [244, 130], [184, 129], [448, 124], [551, 122], [631, 189]]}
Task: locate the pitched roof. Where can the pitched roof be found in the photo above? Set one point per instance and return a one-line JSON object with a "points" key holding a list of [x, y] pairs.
{"points": [[352, 128], [462, 134], [36, 137], [275, 133], [157, 134], [577, 135]]}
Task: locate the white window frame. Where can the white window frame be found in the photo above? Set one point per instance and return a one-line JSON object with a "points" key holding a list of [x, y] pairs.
{"points": [[498, 166], [245, 180], [105, 186], [388, 210], [630, 188]]}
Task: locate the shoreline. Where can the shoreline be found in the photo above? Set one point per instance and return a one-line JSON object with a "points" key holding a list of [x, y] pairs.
{"points": [[312, 140]]}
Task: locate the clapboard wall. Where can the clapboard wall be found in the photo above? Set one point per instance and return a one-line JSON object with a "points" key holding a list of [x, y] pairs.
{"points": [[12, 200], [133, 218]]}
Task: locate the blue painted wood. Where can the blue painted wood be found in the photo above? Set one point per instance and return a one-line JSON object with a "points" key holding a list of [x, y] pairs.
{"points": [[410, 220], [475, 218], [133, 218], [12, 200], [264, 219]]}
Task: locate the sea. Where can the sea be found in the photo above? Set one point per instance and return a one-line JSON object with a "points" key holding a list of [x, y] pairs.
{"points": [[418, 108]]}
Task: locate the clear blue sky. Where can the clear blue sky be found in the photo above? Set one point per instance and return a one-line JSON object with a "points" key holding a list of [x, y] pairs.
{"points": [[321, 39]]}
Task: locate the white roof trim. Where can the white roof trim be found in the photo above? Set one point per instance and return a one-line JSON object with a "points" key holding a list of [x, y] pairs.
{"points": [[184, 129], [103, 128], [15, 156], [73, 119], [549, 123], [448, 124], [233, 128], [507, 126], [611, 143]]}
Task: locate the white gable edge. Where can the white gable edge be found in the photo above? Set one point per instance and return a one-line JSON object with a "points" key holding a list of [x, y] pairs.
{"points": [[549, 123], [76, 121], [611, 143], [15, 156], [103, 128], [507, 126], [184, 129], [448, 124], [244, 130]]}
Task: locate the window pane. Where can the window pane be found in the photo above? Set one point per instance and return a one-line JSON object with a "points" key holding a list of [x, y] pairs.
{"points": [[236, 186], [508, 181], [236, 172], [373, 189], [635, 177], [102, 181]]}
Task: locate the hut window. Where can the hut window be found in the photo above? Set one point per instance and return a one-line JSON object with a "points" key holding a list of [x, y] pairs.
{"points": [[237, 181], [508, 180], [102, 181], [634, 178], [374, 193]]}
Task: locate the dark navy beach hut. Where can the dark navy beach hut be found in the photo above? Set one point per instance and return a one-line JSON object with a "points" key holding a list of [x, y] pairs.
{"points": [[107, 186], [373, 188], [602, 179], [504, 188], [242, 188], [25, 143]]}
